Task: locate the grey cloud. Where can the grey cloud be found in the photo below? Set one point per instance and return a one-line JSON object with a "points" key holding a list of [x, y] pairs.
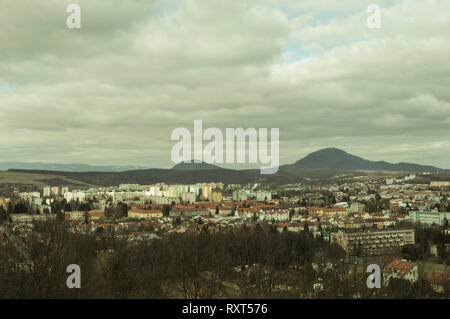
{"points": [[112, 92]]}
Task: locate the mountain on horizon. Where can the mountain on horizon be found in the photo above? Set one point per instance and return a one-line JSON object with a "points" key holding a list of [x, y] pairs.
{"points": [[336, 158], [73, 167], [320, 165], [192, 166], [328, 158]]}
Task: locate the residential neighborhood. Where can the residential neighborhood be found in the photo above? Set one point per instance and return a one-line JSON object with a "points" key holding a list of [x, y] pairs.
{"points": [[379, 218]]}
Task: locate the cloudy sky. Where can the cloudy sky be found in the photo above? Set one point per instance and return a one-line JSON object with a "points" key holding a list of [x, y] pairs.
{"points": [[113, 91]]}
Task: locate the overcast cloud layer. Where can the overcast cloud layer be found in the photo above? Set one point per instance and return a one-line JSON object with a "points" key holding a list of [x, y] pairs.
{"points": [[111, 92]]}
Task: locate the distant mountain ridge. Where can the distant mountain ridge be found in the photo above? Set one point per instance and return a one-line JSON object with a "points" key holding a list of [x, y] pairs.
{"points": [[191, 166], [338, 159], [320, 165], [67, 167]]}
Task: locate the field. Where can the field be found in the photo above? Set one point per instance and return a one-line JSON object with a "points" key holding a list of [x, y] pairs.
{"points": [[39, 180]]}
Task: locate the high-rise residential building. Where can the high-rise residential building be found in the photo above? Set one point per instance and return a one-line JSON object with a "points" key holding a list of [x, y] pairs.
{"points": [[195, 188], [206, 190], [263, 196], [64, 189], [239, 196], [47, 191], [55, 190], [215, 196], [189, 197], [172, 191]]}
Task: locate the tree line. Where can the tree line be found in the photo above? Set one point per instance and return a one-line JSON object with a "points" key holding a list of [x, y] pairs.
{"points": [[253, 261]]}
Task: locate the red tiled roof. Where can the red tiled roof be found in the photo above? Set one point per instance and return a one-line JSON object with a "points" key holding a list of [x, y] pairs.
{"points": [[437, 278], [144, 211], [402, 267], [96, 213]]}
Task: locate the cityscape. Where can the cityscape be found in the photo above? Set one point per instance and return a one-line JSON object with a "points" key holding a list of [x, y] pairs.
{"points": [[214, 158], [311, 239]]}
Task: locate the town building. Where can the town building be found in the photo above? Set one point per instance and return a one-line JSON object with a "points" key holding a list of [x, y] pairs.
{"points": [[47, 191], [374, 242], [145, 213], [215, 197], [401, 269], [429, 217], [54, 190], [263, 196], [239, 196], [439, 281]]}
